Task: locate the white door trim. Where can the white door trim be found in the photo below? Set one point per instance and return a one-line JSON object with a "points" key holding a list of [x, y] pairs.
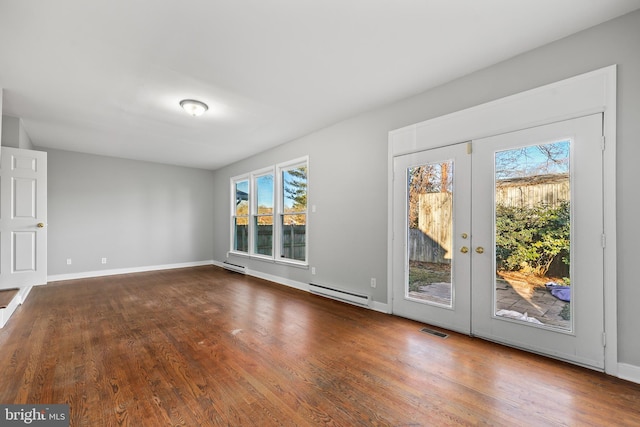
{"points": [[589, 93]]}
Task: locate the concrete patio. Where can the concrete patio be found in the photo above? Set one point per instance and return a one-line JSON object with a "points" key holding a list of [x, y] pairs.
{"points": [[536, 302]]}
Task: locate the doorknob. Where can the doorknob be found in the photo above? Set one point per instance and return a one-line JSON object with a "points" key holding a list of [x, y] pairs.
{"points": [[41, 225], [464, 249], [480, 249]]}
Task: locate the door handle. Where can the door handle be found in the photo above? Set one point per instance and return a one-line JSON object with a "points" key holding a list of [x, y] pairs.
{"points": [[40, 225], [464, 249], [480, 249]]}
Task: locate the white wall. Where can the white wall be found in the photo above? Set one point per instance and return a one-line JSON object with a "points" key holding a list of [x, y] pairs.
{"points": [[135, 214], [348, 167], [1, 94], [13, 133]]}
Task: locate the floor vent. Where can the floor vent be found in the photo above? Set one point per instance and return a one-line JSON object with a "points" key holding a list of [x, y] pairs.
{"points": [[435, 333], [234, 267], [340, 295]]}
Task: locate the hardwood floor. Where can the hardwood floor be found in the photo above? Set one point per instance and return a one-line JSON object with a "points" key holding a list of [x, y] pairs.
{"points": [[205, 347]]}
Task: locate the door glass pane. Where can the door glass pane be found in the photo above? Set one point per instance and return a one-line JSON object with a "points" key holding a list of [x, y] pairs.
{"points": [[533, 234], [430, 226]]}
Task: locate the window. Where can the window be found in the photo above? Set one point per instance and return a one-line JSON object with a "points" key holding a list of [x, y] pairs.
{"points": [[269, 213], [241, 216], [293, 212], [263, 215]]}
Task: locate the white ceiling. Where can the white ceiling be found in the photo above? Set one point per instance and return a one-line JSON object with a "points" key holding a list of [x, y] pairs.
{"points": [[106, 76]]}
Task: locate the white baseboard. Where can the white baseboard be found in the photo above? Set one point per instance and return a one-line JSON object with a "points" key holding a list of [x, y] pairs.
{"points": [[24, 292], [381, 307], [376, 306], [629, 372], [112, 272], [270, 277], [280, 280]]}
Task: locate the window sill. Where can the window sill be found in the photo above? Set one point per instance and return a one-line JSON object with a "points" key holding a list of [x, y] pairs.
{"points": [[293, 263], [285, 261]]}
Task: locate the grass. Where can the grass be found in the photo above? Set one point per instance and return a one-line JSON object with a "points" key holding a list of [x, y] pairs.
{"points": [[426, 273]]}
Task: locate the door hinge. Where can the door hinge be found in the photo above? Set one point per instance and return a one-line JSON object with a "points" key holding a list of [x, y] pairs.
{"points": [[604, 339], [469, 148], [604, 240], [602, 143]]}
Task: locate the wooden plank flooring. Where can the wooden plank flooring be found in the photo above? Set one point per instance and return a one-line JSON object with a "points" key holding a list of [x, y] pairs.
{"points": [[206, 347], [6, 295]]}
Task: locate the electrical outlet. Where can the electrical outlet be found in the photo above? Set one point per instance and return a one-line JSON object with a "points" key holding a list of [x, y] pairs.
{"points": [[104, 260], [68, 261], [313, 270], [373, 282]]}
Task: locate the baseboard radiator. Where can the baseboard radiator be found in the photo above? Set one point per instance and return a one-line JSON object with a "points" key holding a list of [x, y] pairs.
{"points": [[340, 295], [234, 267]]}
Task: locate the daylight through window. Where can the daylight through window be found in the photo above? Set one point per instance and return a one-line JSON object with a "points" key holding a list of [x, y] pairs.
{"points": [[269, 213]]}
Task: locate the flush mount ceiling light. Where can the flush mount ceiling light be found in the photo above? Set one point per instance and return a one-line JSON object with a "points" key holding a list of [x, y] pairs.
{"points": [[193, 107]]}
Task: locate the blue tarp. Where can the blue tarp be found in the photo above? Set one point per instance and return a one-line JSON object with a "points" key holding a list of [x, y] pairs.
{"points": [[563, 293]]}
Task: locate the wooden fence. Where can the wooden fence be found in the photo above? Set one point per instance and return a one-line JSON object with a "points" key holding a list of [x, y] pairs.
{"points": [[431, 241], [294, 240], [531, 191]]}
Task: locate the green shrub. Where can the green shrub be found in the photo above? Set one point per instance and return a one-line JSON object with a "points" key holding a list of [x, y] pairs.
{"points": [[531, 238]]}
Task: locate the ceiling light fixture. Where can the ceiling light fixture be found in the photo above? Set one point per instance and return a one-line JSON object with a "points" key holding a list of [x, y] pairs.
{"points": [[193, 107]]}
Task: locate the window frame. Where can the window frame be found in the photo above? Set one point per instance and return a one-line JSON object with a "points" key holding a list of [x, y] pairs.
{"points": [[277, 252], [281, 168], [234, 213], [255, 215]]}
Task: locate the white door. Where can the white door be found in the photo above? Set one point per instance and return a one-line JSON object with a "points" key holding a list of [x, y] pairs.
{"points": [[23, 218], [431, 216], [525, 252], [538, 193]]}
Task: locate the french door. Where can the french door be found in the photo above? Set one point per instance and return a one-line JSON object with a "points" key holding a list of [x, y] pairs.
{"points": [[502, 238], [432, 223]]}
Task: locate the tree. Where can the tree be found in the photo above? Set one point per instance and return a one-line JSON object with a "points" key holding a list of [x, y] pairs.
{"points": [[295, 187], [429, 178], [533, 160]]}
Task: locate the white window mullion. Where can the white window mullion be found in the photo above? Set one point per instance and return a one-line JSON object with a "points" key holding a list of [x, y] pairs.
{"points": [[277, 226], [252, 208]]}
